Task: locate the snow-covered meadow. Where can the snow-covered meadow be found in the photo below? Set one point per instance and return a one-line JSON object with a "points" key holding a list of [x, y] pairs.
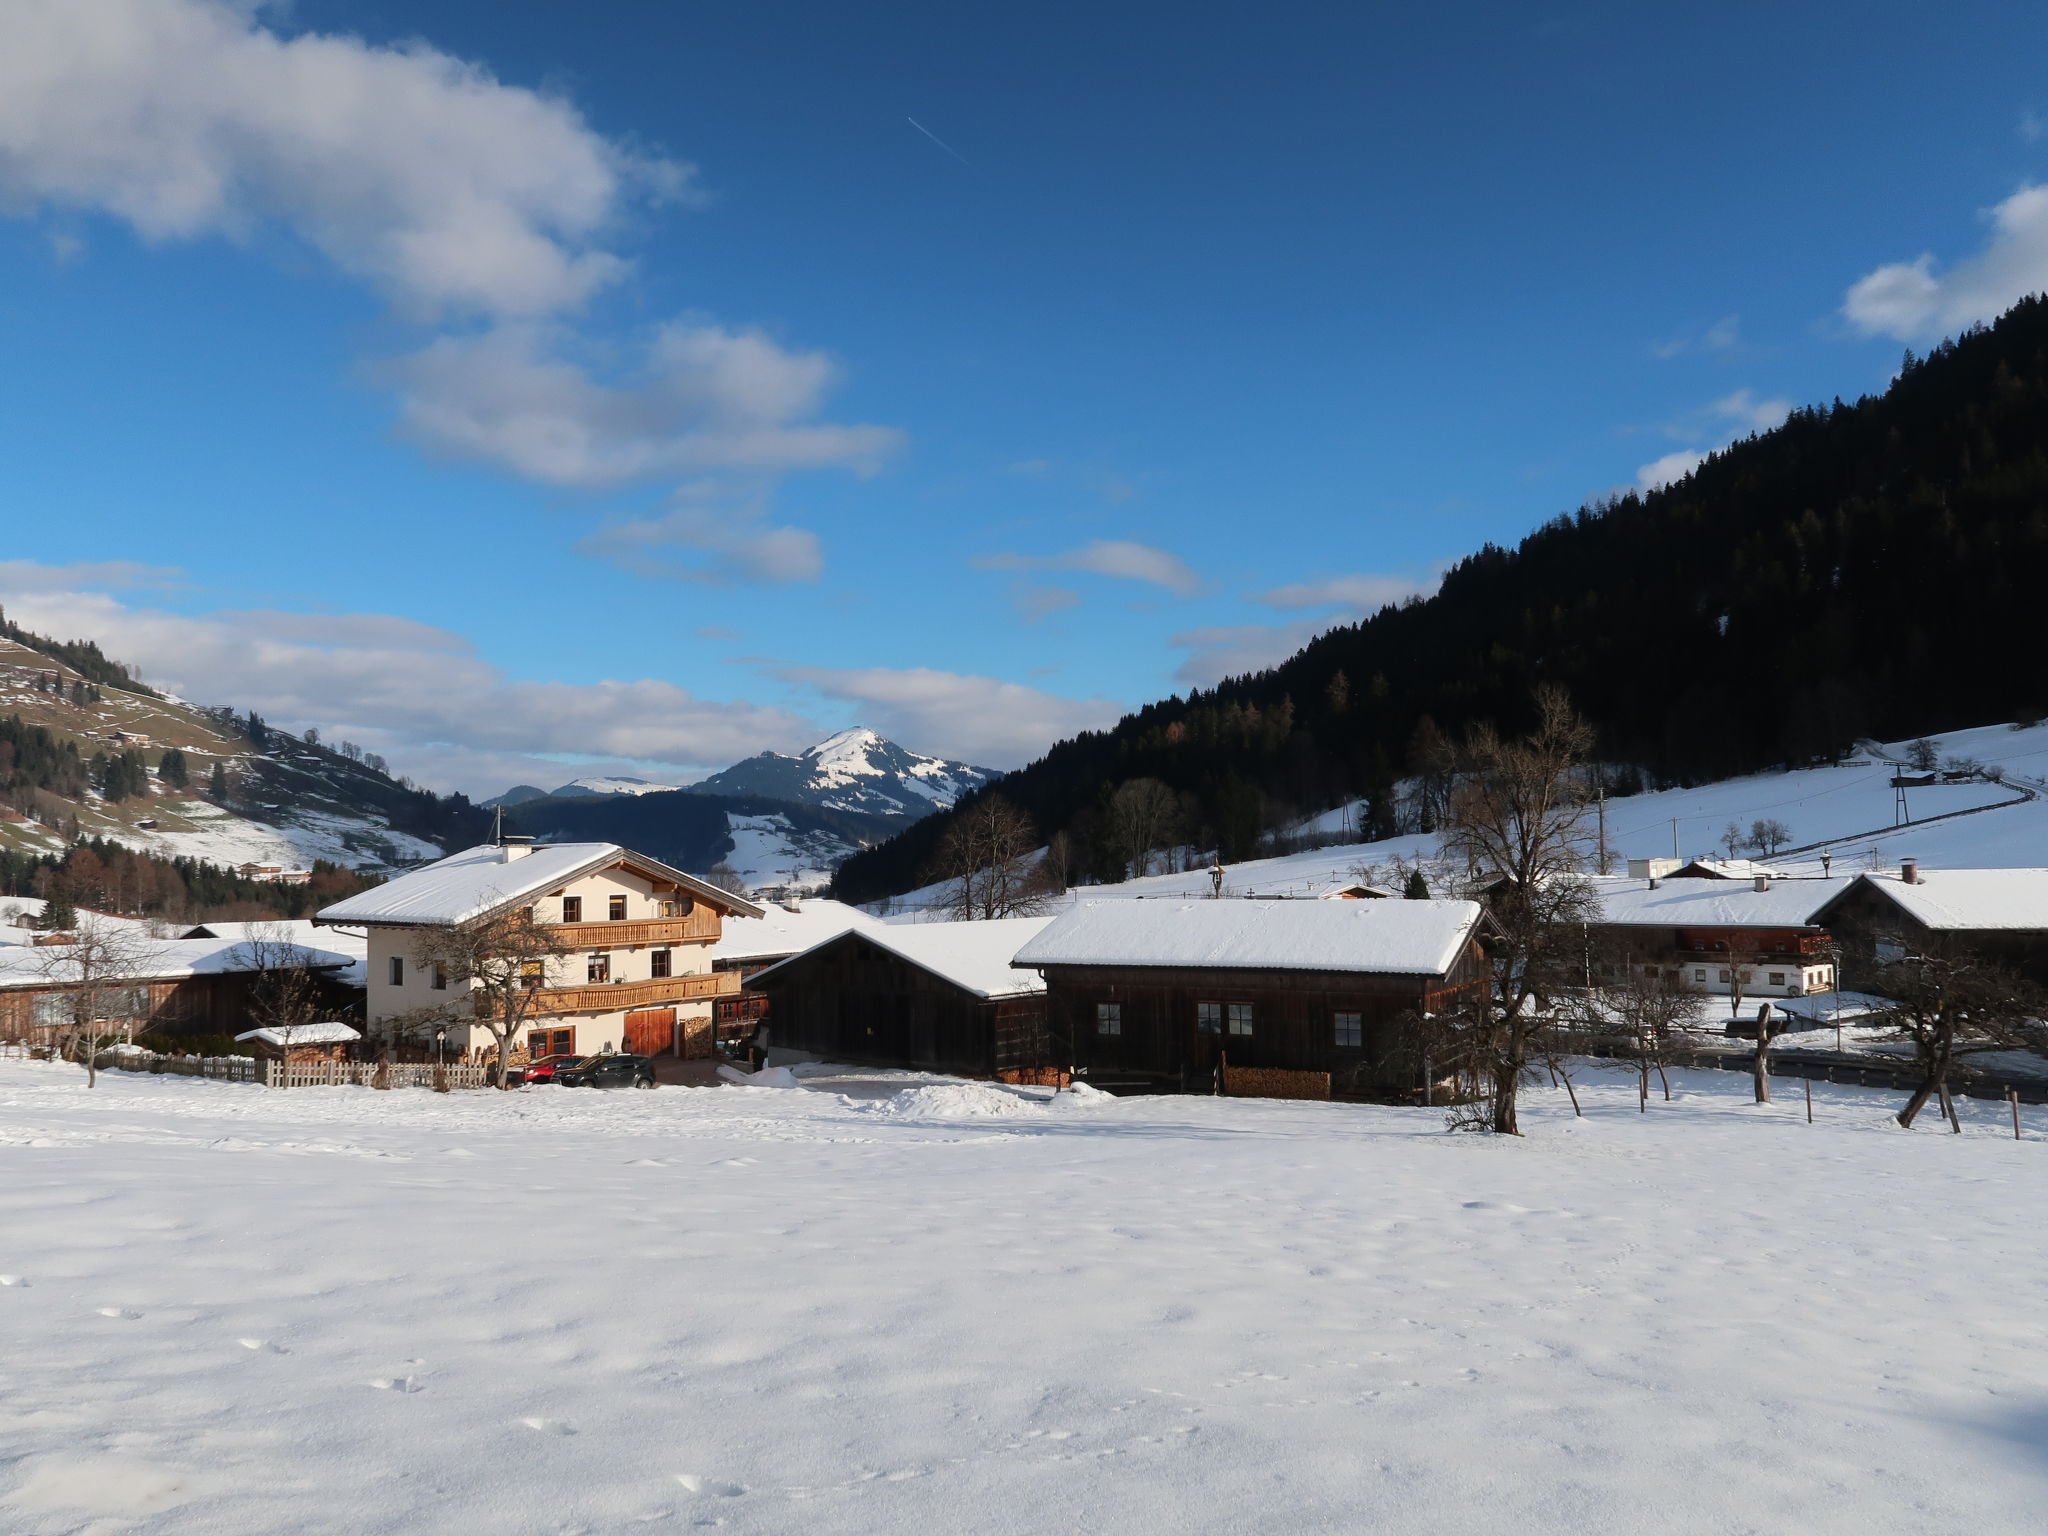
{"points": [[225, 1309]]}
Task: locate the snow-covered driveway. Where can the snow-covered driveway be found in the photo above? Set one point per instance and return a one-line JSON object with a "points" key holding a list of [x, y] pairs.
{"points": [[232, 1310]]}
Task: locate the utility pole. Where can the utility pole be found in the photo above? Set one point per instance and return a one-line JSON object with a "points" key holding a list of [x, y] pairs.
{"points": [[1674, 837], [1606, 859]]}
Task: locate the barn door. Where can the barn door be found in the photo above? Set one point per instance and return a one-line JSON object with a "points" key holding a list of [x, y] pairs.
{"points": [[651, 1031]]}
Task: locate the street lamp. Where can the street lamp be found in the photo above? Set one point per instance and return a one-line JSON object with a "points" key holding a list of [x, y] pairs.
{"points": [[440, 1035]]}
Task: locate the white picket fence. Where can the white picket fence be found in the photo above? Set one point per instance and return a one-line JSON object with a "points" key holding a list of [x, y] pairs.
{"points": [[300, 1074]]}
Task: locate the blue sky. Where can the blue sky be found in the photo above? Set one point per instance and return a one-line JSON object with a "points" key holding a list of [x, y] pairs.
{"points": [[510, 385]]}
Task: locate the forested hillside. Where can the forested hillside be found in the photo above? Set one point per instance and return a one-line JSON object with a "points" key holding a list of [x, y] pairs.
{"points": [[1864, 569]]}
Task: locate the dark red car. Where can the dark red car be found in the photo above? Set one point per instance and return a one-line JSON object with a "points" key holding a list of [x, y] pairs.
{"points": [[544, 1070]]}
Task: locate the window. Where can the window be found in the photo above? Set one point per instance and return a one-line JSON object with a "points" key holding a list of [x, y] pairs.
{"points": [[572, 909], [1240, 1017], [1348, 1029], [657, 963], [440, 982], [599, 968], [551, 1042], [682, 906], [1702, 976], [397, 970], [1109, 1018], [1777, 978], [533, 973], [1209, 1018], [618, 909], [1726, 977]]}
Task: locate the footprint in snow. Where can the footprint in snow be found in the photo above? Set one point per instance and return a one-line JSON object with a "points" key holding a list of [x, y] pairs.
{"points": [[265, 1344], [549, 1426], [13, 1280], [695, 1484], [124, 1315], [407, 1384]]}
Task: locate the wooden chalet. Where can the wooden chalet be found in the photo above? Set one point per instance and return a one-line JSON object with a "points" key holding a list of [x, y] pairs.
{"points": [[2000, 915], [934, 997], [1759, 938], [749, 945], [1302, 999]]}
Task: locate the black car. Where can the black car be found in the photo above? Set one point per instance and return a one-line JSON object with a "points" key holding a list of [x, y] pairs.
{"points": [[608, 1072]]}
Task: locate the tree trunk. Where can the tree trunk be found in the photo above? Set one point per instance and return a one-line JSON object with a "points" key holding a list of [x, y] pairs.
{"points": [[1762, 1067], [1665, 1081], [505, 1060], [1919, 1100], [1948, 1107]]}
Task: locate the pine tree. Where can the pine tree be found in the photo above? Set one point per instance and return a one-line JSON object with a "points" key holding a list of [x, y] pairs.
{"points": [[217, 784], [172, 770], [1418, 888]]}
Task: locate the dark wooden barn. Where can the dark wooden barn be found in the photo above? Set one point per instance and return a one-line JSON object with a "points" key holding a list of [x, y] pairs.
{"points": [[936, 997], [2000, 915], [1309, 999]]}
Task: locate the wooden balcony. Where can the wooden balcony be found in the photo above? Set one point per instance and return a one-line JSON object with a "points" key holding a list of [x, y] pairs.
{"points": [[603, 997], [701, 926]]}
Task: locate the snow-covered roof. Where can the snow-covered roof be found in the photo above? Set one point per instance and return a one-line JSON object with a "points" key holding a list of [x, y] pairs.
{"points": [[778, 932], [972, 956], [481, 880], [1729, 869], [1708, 903], [1966, 899], [157, 960], [1403, 938], [328, 1033]]}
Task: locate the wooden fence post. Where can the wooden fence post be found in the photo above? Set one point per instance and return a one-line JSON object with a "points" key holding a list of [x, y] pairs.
{"points": [[1809, 1099], [2013, 1097]]}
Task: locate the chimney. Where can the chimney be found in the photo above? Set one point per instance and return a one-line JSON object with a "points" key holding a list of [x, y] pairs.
{"points": [[1655, 882], [514, 845], [1763, 882], [1909, 871]]}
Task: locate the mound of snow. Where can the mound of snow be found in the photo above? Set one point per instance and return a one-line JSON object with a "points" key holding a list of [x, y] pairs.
{"points": [[955, 1101], [1082, 1093], [767, 1077]]}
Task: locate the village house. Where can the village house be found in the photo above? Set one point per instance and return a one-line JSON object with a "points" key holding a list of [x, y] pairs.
{"points": [[636, 936], [172, 987], [1711, 934], [1998, 914], [934, 997], [1296, 998]]}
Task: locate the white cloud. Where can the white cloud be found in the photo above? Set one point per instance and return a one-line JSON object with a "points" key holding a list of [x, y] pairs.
{"points": [[700, 397], [1908, 300], [1669, 469], [980, 720], [729, 540], [1364, 594], [487, 209], [1036, 602], [1119, 558], [31, 576], [1724, 335], [1743, 408], [405, 167], [417, 693], [1231, 650]]}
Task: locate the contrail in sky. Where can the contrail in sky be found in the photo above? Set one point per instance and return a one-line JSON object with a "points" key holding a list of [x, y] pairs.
{"points": [[949, 149]]}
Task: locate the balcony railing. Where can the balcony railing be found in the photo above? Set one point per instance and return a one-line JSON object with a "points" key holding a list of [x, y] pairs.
{"points": [[700, 925], [602, 997]]}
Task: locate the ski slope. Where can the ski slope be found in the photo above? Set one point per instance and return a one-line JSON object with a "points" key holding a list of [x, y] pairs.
{"points": [[232, 1311]]}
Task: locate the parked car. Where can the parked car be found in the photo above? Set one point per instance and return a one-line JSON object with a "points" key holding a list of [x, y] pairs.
{"points": [[544, 1069], [608, 1072]]}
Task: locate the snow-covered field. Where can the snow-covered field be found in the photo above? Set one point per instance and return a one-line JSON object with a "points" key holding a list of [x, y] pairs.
{"points": [[232, 1310]]}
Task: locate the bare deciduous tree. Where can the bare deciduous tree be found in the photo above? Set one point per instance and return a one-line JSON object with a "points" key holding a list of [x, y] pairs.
{"points": [[495, 969], [1517, 818], [987, 862], [1648, 1015], [726, 878], [99, 997], [1767, 836], [1144, 819], [1949, 1005], [287, 995]]}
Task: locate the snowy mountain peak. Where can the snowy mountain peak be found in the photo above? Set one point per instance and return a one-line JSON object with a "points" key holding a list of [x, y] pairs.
{"points": [[857, 769], [601, 785]]}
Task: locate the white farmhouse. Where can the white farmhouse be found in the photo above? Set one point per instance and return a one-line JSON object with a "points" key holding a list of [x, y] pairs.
{"points": [[638, 935]]}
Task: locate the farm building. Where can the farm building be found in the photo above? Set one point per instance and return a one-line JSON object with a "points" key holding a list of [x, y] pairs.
{"points": [[937, 997], [749, 945], [1716, 935], [326, 1041], [1304, 998], [2000, 914]]}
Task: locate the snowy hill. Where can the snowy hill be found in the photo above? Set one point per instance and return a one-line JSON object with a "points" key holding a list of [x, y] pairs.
{"points": [[1840, 819], [599, 784], [856, 770], [282, 800]]}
